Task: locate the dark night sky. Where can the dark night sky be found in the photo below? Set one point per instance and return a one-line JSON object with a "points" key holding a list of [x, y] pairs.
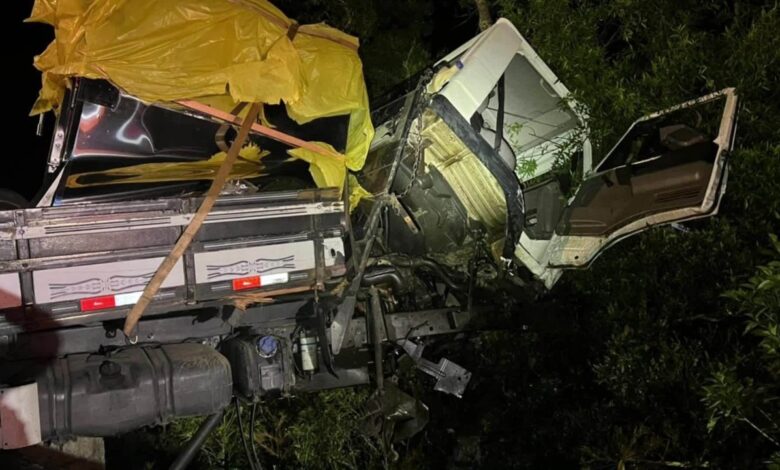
{"points": [[25, 152]]}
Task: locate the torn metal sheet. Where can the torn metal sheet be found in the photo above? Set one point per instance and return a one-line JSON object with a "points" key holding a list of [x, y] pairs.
{"points": [[451, 378]]}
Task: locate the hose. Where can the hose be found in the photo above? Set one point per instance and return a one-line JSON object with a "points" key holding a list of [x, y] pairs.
{"points": [[425, 263], [243, 437], [383, 275], [190, 451], [252, 433]]}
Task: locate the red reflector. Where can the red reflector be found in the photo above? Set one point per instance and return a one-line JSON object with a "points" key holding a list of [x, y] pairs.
{"points": [[98, 303], [246, 283]]}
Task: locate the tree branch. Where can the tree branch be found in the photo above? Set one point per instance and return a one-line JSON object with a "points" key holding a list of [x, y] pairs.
{"points": [[485, 19], [761, 431]]}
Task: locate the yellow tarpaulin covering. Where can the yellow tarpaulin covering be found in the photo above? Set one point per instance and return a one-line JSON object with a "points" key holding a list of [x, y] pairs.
{"points": [[219, 51]]}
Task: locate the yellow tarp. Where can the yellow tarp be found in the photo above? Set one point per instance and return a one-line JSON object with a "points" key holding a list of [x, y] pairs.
{"points": [[219, 51], [326, 171]]}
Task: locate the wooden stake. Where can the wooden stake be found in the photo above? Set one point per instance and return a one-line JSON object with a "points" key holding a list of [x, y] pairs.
{"points": [[192, 228]]}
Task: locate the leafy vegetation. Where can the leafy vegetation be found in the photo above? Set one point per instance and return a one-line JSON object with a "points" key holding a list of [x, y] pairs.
{"points": [[735, 396], [323, 430], [651, 367], [665, 352]]}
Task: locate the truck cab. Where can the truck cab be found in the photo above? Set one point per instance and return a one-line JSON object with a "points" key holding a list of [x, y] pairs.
{"points": [[500, 157]]}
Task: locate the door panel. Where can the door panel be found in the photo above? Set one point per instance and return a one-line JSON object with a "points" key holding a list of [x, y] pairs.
{"points": [[668, 167], [622, 195]]}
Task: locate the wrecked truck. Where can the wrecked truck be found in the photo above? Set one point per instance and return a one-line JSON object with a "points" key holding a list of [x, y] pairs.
{"points": [[314, 268]]}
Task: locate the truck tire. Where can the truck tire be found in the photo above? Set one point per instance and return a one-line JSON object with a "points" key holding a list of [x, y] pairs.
{"points": [[11, 200]]}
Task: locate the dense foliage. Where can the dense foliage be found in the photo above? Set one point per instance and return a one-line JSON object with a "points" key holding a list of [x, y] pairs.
{"points": [[669, 359], [666, 353]]}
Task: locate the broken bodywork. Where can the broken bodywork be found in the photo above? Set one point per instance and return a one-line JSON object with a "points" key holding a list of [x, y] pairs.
{"points": [[294, 283]]}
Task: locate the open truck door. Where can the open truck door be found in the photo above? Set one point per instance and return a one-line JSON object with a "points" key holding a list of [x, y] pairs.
{"points": [[670, 166]]}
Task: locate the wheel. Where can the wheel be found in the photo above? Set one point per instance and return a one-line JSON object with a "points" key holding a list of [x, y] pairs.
{"points": [[11, 200]]}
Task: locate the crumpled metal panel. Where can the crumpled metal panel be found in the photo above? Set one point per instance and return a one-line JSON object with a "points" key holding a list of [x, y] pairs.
{"points": [[475, 186]]}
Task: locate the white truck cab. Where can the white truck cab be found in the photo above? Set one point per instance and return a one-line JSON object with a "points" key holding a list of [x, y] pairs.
{"points": [[669, 166]]}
